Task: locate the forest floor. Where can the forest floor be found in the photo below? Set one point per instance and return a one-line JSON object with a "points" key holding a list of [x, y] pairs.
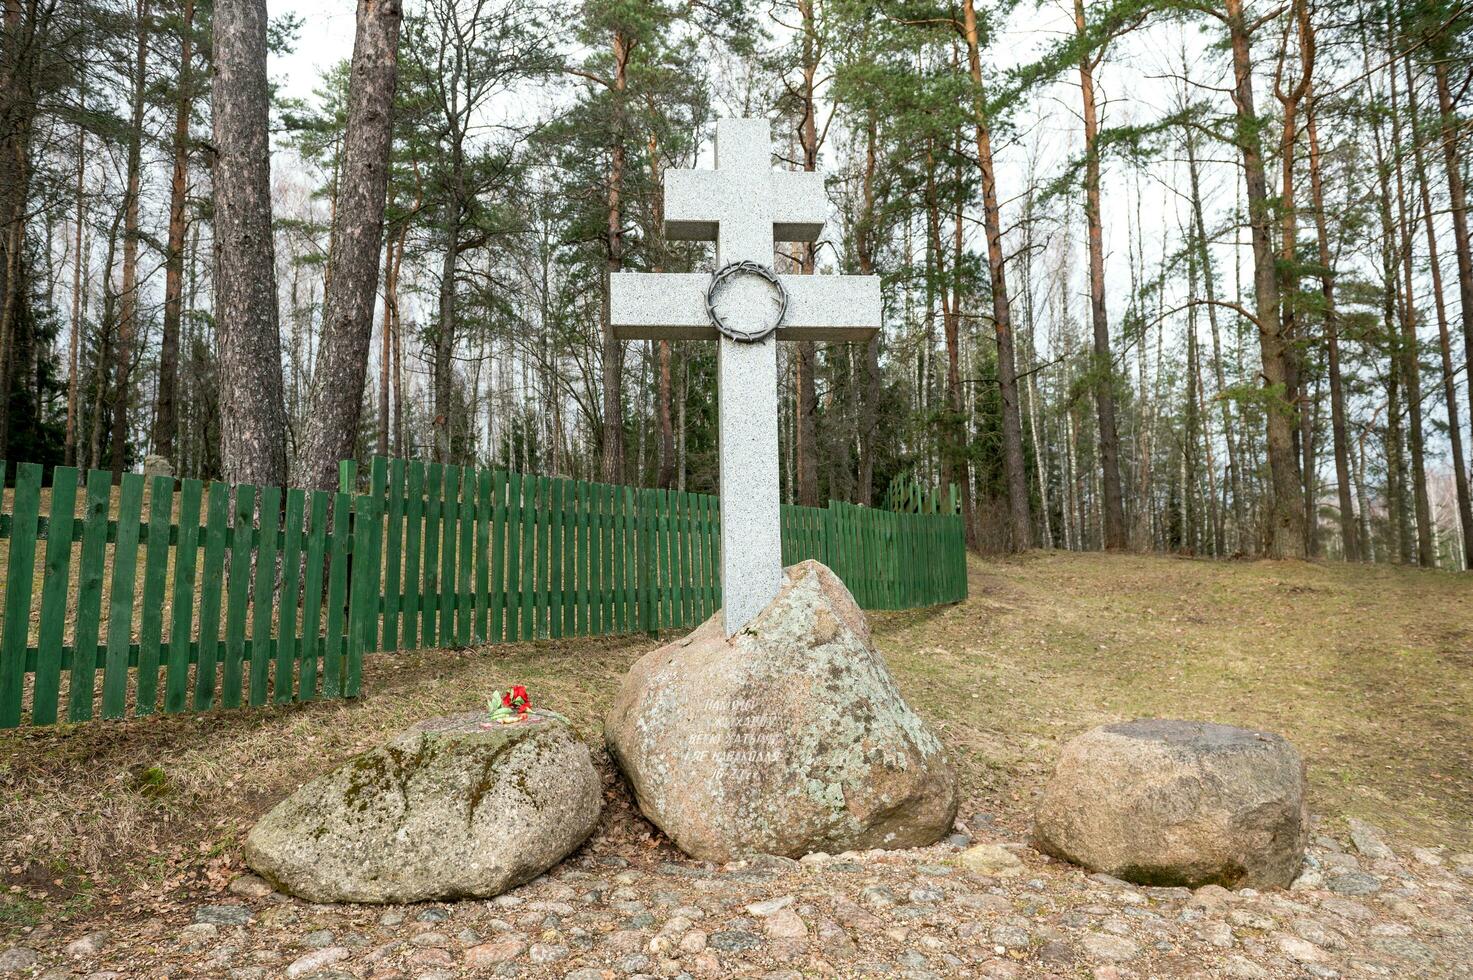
{"points": [[127, 834]]}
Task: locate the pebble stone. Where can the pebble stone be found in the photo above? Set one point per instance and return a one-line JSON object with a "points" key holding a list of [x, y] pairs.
{"points": [[317, 960], [1354, 883], [17, 959], [88, 946], [223, 915], [735, 941], [891, 915]]}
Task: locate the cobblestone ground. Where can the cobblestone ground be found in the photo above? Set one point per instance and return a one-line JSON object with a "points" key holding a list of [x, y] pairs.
{"points": [[977, 905]]}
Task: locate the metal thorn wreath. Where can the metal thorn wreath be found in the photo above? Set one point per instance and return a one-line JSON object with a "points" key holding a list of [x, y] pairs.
{"points": [[747, 267]]}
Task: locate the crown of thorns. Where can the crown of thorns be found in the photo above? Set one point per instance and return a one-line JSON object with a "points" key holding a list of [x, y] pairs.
{"points": [[745, 267]]}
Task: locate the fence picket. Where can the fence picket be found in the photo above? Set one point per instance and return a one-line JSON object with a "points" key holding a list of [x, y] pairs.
{"points": [[363, 607], [429, 598], [237, 597], [618, 609], [668, 614], [498, 555], [312, 576], [483, 541], [181, 622], [89, 597], [378, 484], [413, 530], [686, 539], [217, 511], [514, 580], [647, 562], [569, 563], [596, 625], [527, 578], [337, 589], [47, 683], [449, 526], [262, 601], [464, 603], [120, 596], [25, 512], [291, 577], [713, 555], [394, 556], [555, 560], [580, 518], [628, 546]]}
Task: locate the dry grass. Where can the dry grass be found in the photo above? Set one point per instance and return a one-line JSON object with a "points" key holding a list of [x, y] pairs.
{"points": [[1365, 669]]}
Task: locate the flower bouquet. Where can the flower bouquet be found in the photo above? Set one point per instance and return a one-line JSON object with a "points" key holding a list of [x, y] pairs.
{"points": [[509, 707]]}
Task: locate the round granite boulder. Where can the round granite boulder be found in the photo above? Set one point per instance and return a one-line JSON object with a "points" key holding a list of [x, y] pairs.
{"points": [[452, 808], [789, 737], [1178, 803]]}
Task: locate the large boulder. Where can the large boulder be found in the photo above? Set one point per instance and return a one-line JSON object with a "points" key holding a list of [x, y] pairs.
{"points": [[790, 737], [1178, 803], [452, 808]]}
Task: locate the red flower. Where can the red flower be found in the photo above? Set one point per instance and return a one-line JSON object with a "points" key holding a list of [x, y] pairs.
{"points": [[520, 699]]}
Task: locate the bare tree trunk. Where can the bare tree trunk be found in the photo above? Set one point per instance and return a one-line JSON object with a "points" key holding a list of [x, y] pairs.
{"points": [[1192, 423], [953, 455], [805, 450], [1449, 374], [165, 422], [1286, 524], [1295, 357], [612, 361], [386, 352], [1014, 466], [444, 366], [252, 413], [347, 318], [399, 448], [680, 401], [864, 248], [1410, 346], [961, 469], [666, 476], [70, 453], [1398, 517], [1104, 381], [97, 419], [805, 360], [1363, 498], [128, 300], [17, 110], [1349, 530], [1458, 204]]}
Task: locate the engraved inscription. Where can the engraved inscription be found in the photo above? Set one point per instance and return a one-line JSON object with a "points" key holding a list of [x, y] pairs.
{"points": [[735, 731]]}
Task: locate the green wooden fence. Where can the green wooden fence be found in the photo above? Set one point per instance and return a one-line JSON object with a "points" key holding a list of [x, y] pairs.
{"points": [[216, 598]]}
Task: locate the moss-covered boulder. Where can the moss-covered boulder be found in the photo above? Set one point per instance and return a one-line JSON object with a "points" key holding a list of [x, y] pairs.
{"points": [[790, 737], [451, 808], [1162, 802]]}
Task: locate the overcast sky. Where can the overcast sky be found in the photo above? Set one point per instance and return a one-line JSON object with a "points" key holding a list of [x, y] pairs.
{"points": [[326, 38]]}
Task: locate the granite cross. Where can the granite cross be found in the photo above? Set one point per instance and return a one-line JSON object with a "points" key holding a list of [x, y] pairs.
{"points": [[745, 206]]}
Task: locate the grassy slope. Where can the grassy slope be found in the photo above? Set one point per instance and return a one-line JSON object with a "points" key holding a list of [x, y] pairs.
{"points": [[1367, 670]]}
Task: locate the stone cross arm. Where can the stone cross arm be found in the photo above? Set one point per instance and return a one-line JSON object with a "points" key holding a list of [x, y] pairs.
{"points": [[672, 306]]}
